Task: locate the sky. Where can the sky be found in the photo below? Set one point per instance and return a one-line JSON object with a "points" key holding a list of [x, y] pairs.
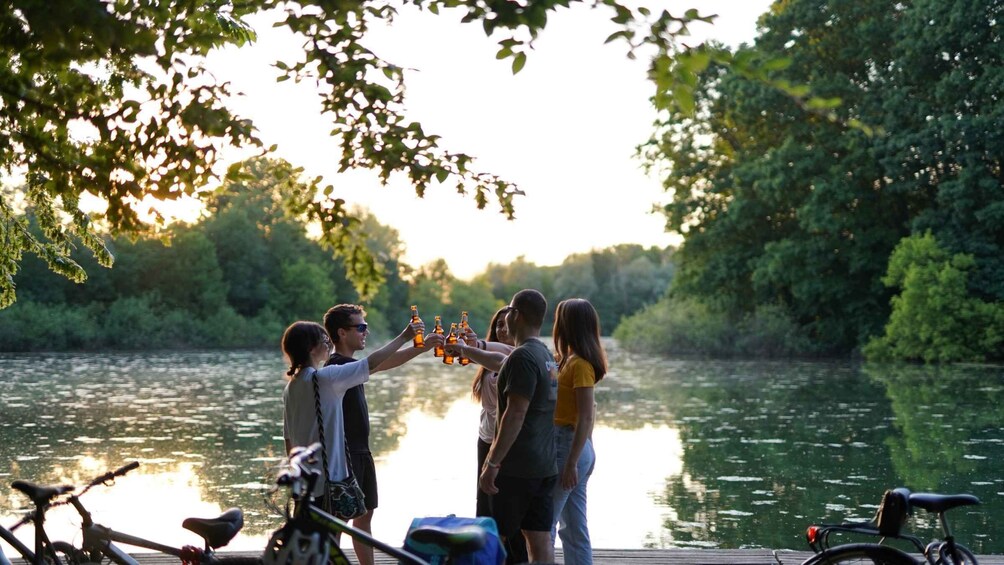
{"points": [[564, 130]]}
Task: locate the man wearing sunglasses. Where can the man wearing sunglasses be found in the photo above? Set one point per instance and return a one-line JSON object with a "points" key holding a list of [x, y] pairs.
{"points": [[346, 324]]}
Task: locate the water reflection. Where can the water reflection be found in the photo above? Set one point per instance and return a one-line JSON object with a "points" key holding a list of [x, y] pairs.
{"points": [[689, 453]]}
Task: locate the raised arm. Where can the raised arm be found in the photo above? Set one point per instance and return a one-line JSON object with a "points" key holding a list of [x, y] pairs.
{"points": [[402, 356], [488, 354], [380, 356], [489, 359]]}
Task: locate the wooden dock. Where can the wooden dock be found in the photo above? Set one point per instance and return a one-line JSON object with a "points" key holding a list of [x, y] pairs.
{"points": [[616, 557]]}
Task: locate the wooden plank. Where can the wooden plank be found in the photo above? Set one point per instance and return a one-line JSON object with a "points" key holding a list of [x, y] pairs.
{"points": [[676, 556]]}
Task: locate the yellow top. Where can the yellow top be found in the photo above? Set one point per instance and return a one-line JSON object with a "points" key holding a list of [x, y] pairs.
{"points": [[576, 373]]}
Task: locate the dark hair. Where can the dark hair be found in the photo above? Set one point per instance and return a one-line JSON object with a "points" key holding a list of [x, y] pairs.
{"points": [[340, 316], [532, 306], [299, 339], [493, 335], [577, 330]]}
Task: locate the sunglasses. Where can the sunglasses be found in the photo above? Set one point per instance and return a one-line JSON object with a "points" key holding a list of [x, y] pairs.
{"points": [[361, 328]]}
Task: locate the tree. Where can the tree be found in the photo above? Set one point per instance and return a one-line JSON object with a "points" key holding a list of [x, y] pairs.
{"points": [[800, 206], [935, 318], [111, 100]]}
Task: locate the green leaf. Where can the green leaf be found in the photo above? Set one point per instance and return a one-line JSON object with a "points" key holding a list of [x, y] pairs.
{"points": [[684, 99], [518, 62], [695, 61]]}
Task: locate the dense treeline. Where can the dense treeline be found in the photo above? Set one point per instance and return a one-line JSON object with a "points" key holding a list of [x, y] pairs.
{"points": [[240, 275], [873, 221]]}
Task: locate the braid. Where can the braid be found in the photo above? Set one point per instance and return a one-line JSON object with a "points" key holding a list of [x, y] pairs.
{"points": [[320, 426]]}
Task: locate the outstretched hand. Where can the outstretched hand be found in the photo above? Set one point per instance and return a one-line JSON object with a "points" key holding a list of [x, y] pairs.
{"points": [[434, 339], [413, 329]]}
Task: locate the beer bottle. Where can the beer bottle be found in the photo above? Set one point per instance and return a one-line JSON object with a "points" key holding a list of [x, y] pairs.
{"points": [[439, 330], [419, 341], [463, 331], [451, 338]]}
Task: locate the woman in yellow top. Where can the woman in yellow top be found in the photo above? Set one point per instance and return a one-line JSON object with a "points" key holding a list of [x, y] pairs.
{"points": [[582, 364]]}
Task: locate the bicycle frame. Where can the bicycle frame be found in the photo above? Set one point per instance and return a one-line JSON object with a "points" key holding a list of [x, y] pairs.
{"points": [[934, 552], [307, 516], [8, 536], [41, 540], [820, 541], [101, 539]]}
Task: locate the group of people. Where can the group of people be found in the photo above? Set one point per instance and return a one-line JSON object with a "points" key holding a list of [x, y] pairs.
{"points": [[535, 452]]}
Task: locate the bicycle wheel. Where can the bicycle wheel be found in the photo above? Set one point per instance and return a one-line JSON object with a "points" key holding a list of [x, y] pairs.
{"points": [[68, 554], [861, 553], [967, 557]]}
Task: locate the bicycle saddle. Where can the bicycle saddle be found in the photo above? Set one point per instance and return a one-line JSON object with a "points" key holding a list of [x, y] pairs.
{"points": [[40, 495], [463, 539], [941, 502], [217, 531]]}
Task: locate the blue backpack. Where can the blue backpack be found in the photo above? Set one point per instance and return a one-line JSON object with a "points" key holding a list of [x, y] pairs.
{"points": [[491, 554]]}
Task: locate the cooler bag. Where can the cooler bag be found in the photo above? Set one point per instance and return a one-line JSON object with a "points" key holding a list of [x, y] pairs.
{"points": [[491, 554]]}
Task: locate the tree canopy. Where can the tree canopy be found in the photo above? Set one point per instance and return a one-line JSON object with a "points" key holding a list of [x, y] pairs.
{"points": [[800, 207], [239, 275], [109, 101]]}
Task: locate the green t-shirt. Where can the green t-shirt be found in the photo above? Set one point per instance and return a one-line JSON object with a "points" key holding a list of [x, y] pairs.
{"points": [[530, 372]]}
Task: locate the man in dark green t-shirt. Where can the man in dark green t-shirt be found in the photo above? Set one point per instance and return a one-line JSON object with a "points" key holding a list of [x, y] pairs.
{"points": [[520, 470]]}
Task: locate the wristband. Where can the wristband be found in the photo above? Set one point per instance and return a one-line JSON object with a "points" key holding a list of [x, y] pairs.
{"points": [[482, 344], [491, 465]]}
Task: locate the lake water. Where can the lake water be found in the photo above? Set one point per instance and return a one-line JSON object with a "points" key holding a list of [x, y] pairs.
{"points": [[724, 454]]}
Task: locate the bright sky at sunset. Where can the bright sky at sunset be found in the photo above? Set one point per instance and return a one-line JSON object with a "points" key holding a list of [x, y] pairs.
{"points": [[564, 129]]}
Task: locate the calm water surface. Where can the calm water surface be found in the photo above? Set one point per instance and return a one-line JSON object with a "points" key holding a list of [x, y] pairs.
{"points": [[692, 453]]}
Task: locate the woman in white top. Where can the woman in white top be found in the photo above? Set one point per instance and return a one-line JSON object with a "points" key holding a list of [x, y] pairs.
{"points": [[489, 354], [484, 390], [306, 346]]}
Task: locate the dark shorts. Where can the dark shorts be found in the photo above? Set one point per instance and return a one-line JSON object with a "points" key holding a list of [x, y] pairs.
{"points": [[523, 504], [365, 471]]}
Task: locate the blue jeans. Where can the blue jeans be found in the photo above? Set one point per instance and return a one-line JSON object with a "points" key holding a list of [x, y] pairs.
{"points": [[570, 505]]}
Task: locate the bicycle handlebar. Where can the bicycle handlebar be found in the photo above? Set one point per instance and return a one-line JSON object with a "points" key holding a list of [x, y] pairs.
{"points": [[298, 466], [112, 474]]}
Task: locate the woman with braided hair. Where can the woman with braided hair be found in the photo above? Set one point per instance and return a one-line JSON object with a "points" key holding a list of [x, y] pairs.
{"points": [[306, 346]]}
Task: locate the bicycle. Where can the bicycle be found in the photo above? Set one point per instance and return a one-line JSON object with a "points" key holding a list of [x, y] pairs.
{"points": [[43, 552], [310, 535], [98, 542], [896, 506]]}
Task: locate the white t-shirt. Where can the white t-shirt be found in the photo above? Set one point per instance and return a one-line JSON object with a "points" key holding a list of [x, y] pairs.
{"points": [[489, 406], [299, 417]]}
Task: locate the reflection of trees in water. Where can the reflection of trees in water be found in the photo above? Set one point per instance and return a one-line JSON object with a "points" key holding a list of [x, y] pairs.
{"points": [[945, 415], [767, 446], [772, 447], [950, 440], [68, 418], [220, 410]]}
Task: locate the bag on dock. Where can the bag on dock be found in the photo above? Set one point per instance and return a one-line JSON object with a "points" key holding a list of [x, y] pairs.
{"points": [[491, 554], [893, 511]]}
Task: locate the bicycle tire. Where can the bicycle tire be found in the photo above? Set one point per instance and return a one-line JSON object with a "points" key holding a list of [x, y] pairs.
{"points": [[69, 554], [852, 553], [967, 556]]}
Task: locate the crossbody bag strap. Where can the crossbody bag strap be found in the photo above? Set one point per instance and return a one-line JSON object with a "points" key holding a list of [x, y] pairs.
{"points": [[320, 432]]}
